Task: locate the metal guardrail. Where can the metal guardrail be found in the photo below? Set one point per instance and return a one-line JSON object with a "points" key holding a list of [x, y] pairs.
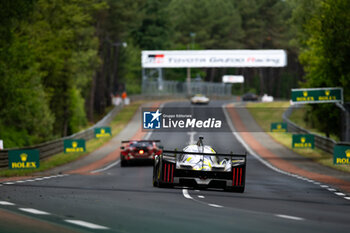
{"points": [[50, 148], [321, 142]]}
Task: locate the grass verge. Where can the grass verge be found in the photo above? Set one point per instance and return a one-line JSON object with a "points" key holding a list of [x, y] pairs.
{"points": [[117, 124], [264, 118]]}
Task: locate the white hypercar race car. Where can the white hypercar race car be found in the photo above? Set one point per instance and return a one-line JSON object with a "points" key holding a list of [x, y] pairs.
{"points": [[199, 99], [199, 165]]}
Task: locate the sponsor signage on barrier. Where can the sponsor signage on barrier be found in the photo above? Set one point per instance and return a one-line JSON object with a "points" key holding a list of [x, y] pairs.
{"points": [[23, 159], [341, 154], [303, 141], [233, 79], [317, 95], [278, 127], [213, 58], [101, 132], [74, 145]]}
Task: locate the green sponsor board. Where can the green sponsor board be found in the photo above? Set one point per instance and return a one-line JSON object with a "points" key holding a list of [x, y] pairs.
{"points": [[101, 132], [303, 141], [278, 127], [74, 145], [23, 159], [317, 95], [341, 154]]}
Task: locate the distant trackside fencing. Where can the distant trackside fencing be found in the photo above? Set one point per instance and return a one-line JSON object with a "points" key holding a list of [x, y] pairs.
{"points": [[321, 142], [50, 148], [174, 88]]}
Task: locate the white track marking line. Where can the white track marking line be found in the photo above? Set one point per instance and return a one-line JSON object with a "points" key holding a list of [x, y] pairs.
{"points": [[347, 198], [245, 145], [332, 190], [6, 203], [9, 183], [289, 217], [35, 179], [197, 190], [216, 206], [34, 211], [339, 194], [86, 224], [106, 168], [32, 180], [185, 193], [200, 196], [260, 159]]}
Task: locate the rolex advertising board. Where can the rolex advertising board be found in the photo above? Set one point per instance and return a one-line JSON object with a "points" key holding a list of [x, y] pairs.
{"points": [[101, 132], [317, 95], [23, 159], [278, 127], [303, 141], [74, 145], [341, 154]]}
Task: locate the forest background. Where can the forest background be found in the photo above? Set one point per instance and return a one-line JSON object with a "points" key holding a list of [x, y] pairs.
{"points": [[60, 60]]}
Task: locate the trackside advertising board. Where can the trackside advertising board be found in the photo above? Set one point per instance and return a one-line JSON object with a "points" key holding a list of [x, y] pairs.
{"points": [[303, 141], [341, 154], [23, 159], [102, 132], [317, 95], [278, 127], [74, 145], [213, 58]]}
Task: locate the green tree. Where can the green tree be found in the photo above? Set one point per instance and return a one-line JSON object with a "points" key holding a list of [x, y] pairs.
{"points": [[325, 38], [155, 30], [62, 35], [25, 117], [217, 24]]}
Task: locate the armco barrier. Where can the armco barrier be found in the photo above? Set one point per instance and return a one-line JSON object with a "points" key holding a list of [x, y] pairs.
{"points": [[50, 148], [321, 142]]}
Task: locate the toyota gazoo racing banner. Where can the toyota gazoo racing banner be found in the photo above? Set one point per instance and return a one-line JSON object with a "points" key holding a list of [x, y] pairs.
{"points": [[213, 58]]}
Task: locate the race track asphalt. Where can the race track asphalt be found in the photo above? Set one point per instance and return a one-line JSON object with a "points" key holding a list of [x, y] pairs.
{"points": [[124, 200]]}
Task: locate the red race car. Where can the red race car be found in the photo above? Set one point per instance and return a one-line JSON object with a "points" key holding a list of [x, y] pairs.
{"points": [[139, 150]]}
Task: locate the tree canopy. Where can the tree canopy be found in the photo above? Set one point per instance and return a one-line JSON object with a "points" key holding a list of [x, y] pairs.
{"points": [[61, 60]]}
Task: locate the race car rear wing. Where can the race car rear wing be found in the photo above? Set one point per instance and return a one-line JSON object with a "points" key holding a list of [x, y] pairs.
{"points": [[208, 154], [233, 159], [127, 141]]}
